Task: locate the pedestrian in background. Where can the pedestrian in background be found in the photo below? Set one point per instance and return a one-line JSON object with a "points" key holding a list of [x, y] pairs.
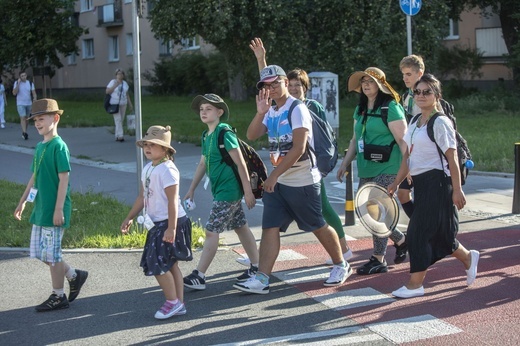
{"points": [[298, 85], [3, 103], [164, 216], [49, 190], [23, 89], [118, 90], [371, 128], [438, 194], [226, 209]]}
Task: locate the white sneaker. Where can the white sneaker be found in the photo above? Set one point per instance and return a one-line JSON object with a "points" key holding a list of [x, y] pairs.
{"points": [[338, 275], [244, 260], [3, 125], [472, 271], [168, 310], [253, 285], [347, 255], [404, 292]]}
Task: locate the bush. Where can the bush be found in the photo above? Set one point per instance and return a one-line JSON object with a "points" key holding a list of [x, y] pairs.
{"points": [[189, 74]]}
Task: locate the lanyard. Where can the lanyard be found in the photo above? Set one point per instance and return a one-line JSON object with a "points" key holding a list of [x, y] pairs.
{"points": [[147, 183], [209, 138], [37, 164]]}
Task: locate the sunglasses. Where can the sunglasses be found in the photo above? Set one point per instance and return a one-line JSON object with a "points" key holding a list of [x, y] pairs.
{"points": [[424, 92]]}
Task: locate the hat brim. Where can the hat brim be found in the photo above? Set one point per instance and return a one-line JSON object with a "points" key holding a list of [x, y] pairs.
{"points": [[140, 143], [260, 84], [376, 210], [32, 115], [354, 82], [195, 105]]}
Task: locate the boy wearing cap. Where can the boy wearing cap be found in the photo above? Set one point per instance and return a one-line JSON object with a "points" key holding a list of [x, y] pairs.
{"points": [[292, 190], [226, 210], [48, 189]]}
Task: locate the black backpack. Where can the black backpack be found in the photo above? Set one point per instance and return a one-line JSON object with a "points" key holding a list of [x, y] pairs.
{"points": [[255, 166], [463, 152], [325, 145]]}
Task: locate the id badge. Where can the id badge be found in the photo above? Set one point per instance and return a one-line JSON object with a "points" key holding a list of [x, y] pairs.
{"points": [[206, 183], [148, 223], [32, 194], [274, 157], [361, 146]]}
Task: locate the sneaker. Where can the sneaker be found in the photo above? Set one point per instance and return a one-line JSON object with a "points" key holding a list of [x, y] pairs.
{"points": [[76, 284], [249, 273], [346, 256], [25, 135], [54, 302], [372, 267], [404, 292], [472, 271], [244, 261], [182, 311], [400, 252], [2, 125], [194, 281], [168, 310], [252, 285], [338, 275]]}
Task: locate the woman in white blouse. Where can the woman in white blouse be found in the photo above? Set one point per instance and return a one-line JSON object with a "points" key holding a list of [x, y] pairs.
{"points": [[118, 91]]}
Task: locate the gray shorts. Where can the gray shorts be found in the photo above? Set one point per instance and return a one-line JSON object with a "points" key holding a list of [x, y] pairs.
{"points": [[287, 204], [225, 216], [24, 111], [46, 243]]}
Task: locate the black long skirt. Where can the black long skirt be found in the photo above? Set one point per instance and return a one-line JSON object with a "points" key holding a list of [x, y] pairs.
{"points": [[434, 225]]}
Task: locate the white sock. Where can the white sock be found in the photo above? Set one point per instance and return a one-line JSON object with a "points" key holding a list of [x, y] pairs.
{"points": [[70, 274], [58, 291], [201, 274]]}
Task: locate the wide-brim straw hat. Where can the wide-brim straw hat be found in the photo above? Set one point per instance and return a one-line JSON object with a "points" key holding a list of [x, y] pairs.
{"points": [[45, 106], [158, 135], [354, 81], [213, 99], [377, 211]]}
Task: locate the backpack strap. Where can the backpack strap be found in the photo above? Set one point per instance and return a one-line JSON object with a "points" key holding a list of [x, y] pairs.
{"points": [[289, 116], [429, 130]]}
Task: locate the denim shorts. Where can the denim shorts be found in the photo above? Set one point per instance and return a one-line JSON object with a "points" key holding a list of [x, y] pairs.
{"points": [[24, 111]]}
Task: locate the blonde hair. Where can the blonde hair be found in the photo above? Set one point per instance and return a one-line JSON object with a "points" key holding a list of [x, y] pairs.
{"points": [[415, 62]]}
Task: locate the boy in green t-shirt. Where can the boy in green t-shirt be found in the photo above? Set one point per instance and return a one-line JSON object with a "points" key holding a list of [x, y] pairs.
{"points": [[48, 189], [226, 210]]}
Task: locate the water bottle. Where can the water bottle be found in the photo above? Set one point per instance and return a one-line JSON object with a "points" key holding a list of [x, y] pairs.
{"points": [[470, 164]]}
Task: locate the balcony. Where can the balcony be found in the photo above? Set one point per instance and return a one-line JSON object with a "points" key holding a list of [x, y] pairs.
{"points": [[110, 15]]}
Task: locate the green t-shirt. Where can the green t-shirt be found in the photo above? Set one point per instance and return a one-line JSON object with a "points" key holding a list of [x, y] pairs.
{"points": [[50, 159], [378, 133], [224, 184]]}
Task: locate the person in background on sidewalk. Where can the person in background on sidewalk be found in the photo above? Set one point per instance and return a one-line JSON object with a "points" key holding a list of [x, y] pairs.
{"points": [[298, 85], [3, 103], [293, 180], [163, 217], [23, 89], [438, 194], [226, 209], [48, 189], [118, 90], [370, 128]]}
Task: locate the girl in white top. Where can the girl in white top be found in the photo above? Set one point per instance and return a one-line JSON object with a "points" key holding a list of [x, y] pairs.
{"points": [[438, 194], [118, 90], [164, 217]]}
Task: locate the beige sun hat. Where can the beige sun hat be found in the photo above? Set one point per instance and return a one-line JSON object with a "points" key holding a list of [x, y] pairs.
{"points": [[45, 106], [159, 135], [354, 81]]}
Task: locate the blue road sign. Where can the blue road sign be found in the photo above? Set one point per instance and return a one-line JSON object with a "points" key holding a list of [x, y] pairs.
{"points": [[410, 7]]}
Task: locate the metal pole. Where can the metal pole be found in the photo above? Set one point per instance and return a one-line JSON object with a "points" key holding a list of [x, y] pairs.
{"points": [[349, 196], [409, 31], [516, 190], [136, 12]]}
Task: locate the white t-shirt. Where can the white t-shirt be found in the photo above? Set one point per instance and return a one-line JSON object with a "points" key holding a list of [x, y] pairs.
{"points": [[23, 98], [279, 133], [117, 97], [155, 179], [423, 152]]}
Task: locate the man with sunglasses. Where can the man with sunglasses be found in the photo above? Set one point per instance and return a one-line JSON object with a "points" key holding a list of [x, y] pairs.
{"points": [[292, 189]]}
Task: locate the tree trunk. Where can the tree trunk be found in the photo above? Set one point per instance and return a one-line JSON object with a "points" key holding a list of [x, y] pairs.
{"points": [[237, 92]]}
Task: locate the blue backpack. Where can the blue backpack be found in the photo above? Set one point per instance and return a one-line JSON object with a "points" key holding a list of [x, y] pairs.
{"points": [[325, 145]]}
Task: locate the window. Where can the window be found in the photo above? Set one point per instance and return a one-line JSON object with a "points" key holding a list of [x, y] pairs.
{"points": [[71, 59], [86, 5], [165, 47], [113, 48], [88, 48], [190, 43], [453, 30], [129, 44]]}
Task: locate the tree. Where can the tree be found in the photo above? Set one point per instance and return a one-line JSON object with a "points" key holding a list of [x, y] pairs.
{"points": [[34, 33]]}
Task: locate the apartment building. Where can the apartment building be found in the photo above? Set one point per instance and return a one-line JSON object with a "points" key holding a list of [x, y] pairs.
{"points": [[109, 45]]}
